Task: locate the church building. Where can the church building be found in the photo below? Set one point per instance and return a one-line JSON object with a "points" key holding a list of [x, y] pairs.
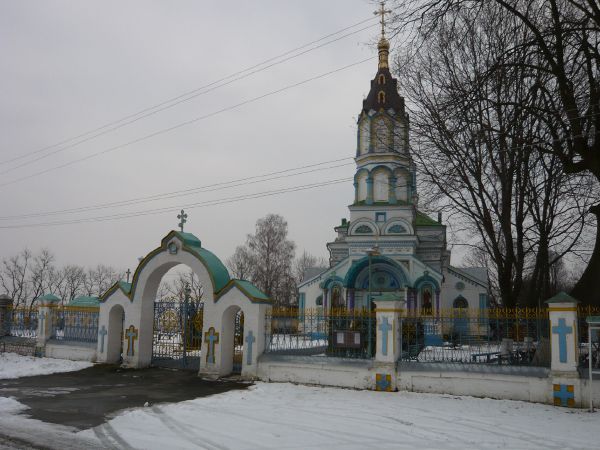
{"points": [[388, 246]]}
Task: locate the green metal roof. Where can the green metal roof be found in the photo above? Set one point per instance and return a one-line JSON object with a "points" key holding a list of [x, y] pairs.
{"points": [[125, 287], [215, 267], [49, 298], [562, 297], [251, 290], [423, 220], [91, 302]]}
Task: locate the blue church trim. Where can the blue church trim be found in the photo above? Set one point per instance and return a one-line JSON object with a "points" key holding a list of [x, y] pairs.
{"points": [[426, 279], [361, 264], [330, 281]]}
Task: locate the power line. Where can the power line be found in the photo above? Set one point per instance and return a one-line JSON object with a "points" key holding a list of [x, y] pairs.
{"points": [[188, 122], [186, 206], [190, 191], [194, 205], [129, 119]]}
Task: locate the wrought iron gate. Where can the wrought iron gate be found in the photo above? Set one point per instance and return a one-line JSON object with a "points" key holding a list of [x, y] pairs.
{"points": [[177, 337], [238, 343]]}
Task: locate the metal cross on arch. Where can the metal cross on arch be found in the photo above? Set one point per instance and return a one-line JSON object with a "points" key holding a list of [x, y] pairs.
{"points": [[183, 219]]}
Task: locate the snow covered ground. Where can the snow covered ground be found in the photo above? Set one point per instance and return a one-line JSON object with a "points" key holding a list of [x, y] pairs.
{"points": [[15, 366], [287, 416]]}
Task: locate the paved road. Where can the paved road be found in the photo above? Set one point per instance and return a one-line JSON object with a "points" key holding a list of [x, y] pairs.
{"points": [[87, 398]]}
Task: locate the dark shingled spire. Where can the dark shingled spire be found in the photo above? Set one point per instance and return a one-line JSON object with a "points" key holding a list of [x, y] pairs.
{"points": [[384, 88]]}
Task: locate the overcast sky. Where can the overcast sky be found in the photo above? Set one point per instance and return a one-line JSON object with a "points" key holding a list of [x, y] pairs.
{"points": [[68, 67]]}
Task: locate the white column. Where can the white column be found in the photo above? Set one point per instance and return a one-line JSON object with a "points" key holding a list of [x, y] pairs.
{"points": [[46, 309]]}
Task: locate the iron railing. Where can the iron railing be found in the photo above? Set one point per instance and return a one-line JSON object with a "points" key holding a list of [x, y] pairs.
{"points": [[515, 336], [340, 333], [583, 312], [23, 322], [76, 324]]}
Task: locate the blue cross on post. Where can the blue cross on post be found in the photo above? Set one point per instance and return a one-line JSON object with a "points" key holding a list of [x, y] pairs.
{"points": [[385, 328], [182, 219], [211, 338], [132, 335], [249, 340], [562, 330], [102, 333], [564, 395]]}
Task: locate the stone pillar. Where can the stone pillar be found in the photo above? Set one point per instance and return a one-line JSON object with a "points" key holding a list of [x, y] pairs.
{"points": [[437, 305], [46, 308], [369, 199], [356, 192], [325, 291], [389, 310], [350, 299], [6, 304], [564, 349]]}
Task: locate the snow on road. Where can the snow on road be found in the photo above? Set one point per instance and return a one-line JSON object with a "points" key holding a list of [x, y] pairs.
{"points": [[286, 416], [15, 366]]}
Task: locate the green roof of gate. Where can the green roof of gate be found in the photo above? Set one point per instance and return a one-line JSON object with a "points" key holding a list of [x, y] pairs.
{"points": [[85, 301], [251, 290], [49, 298], [562, 297], [125, 286]]}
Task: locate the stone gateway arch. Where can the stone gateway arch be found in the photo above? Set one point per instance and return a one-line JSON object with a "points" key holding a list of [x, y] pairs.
{"points": [[127, 310]]}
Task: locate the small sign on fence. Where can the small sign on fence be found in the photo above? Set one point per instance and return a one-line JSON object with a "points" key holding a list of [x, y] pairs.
{"points": [[346, 339]]}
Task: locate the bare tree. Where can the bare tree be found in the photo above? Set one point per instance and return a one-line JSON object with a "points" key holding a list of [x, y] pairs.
{"points": [[240, 263], [484, 153], [13, 277], [563, 38], [305, 262]]}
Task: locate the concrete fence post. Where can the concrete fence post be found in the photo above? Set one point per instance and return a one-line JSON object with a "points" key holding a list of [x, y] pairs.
{"points": [[389, 311], [46, 310], [564, 349], [6, 304]]}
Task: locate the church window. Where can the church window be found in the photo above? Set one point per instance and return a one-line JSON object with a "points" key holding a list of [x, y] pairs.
{"points": [[426, 301], [380, 217], [381, 97], [381, 135], [364, 136], [363, 229], [336, 297], [381, 79], [460, 302], [397, 229]]}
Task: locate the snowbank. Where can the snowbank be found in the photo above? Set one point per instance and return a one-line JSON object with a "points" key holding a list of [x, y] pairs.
{"points": [[16, 366]]}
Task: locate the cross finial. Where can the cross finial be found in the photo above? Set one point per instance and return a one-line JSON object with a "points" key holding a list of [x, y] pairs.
{"points": [[183, 219], [128, 273], [382, 12]]}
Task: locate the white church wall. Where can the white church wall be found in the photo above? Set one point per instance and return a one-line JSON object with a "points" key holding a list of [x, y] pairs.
{"points": [[71, 352], [381, 187], [362, 186], [450, 291]]}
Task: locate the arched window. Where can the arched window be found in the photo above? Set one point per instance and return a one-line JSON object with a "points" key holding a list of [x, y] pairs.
{"points": [[381, 97], [396, 229], [363, 229], [381, 135], [336, 297], [460, 302], [426, 301], [381, 79]]}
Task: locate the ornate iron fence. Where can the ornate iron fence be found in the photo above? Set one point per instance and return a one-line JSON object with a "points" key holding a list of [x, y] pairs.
{"points": [[23, 322], [76, 324], [516, 336], [340, 333], [583, 312]]}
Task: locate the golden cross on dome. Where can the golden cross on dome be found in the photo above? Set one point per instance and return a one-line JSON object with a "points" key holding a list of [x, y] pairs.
{"points": [[382, 12]]}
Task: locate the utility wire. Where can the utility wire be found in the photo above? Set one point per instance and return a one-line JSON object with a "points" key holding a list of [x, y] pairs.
{"points": [[186, 206], [194, 205], [190, 191], [188, 122], [129, 119]]}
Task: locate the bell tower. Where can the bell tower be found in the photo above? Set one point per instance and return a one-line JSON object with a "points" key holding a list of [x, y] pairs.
{"points": [[385, 173]]}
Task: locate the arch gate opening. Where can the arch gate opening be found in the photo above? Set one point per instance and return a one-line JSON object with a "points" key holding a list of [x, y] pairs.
{"points": [[178, 318]]}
